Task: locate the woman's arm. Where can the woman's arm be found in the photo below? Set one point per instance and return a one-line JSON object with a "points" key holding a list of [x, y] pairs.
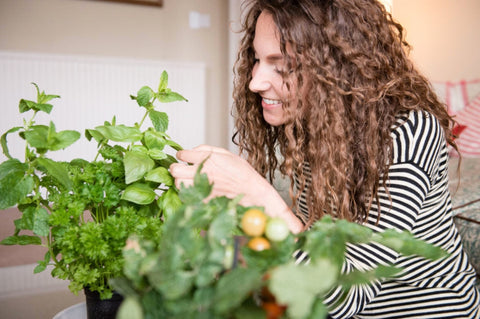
{"points": [[231, 176]]}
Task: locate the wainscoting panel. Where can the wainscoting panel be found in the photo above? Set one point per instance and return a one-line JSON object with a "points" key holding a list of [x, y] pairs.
{"points": [[93, 90]]}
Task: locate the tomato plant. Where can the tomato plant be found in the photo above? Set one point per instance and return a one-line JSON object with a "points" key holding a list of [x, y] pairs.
{"points": [[253, 222], [276, 229]]}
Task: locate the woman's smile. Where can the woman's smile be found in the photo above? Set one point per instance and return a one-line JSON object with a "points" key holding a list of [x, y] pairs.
{"points": [[267, 79], [269, 104]]}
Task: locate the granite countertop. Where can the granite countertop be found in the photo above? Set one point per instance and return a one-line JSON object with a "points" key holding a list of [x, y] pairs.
{"points": [[467, 196]]}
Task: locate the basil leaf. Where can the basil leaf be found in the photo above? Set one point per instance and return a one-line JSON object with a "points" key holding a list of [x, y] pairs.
{"points": [[169, 202], [160, 175], [154, 140], [157, 154], [137, 164], [139, 193]]}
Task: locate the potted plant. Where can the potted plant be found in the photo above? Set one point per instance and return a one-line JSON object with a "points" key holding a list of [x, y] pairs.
{"points": [[83, 211], [218, 259]]}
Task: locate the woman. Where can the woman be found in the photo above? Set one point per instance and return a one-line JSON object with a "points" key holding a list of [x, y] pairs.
{"points": [[363, 137]]}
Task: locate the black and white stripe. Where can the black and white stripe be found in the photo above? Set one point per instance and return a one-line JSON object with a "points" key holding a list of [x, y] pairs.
{"points": [[420, 203]]}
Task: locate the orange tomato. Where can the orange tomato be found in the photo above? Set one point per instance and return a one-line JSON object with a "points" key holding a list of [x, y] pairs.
{"points": [[273, 310], [258, 243], [253, 222]]}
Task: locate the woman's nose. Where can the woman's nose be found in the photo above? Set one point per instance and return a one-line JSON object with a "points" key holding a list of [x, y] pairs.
{"points": [[259, 82]]}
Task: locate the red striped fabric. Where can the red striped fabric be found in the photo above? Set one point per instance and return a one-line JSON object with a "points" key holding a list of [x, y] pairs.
{"points": [[468, 141]]}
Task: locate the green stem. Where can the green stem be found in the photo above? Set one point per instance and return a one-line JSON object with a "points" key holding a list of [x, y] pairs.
{"points": [[26, 128], [102, 144], [143, 119]]}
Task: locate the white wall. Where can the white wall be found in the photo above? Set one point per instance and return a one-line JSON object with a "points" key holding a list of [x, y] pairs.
{"points": [[108, 29]]}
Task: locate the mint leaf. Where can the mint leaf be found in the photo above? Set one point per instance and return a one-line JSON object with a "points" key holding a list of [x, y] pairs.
{"points": [[130, 309], [56, 170], [21, 240], [168, 97], [298, 286], [3, 140], [40, 224], [26, 105], [144, 95], [14, 184], [38, 136], [234, 287], [163, 82], [27, 219], [63, 139], [44, 107], [120, 133], [96, 135], [159, 120], [199, 191]]}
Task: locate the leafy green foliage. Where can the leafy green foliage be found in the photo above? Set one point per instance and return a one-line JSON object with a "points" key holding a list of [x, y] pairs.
{"points": [[84, 211], [190, 273]]}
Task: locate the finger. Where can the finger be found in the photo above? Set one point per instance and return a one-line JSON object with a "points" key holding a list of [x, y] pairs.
{"points": [[213, 149], [193, 156], [180, 171]]}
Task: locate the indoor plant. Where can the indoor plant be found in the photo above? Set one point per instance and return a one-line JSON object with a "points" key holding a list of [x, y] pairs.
{"points": [[210, 262], [83, 211]]}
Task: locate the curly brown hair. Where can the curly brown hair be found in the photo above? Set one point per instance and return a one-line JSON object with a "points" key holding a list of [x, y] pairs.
{"points": [[350, 62]]}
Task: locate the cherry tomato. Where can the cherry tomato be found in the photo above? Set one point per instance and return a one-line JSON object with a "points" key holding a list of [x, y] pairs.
{"points": [[253, 222], [276, 229], [273, 310], [258, 243]]}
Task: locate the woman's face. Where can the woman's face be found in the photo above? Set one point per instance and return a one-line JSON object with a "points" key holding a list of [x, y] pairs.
{"points": [[267, 78]]}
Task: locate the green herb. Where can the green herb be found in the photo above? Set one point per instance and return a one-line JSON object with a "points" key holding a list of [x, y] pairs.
{"points": [[84, 211], [189, 273]]}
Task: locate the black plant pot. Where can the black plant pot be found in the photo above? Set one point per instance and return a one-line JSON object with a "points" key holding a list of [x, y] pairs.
{"points": [[102, 309]]}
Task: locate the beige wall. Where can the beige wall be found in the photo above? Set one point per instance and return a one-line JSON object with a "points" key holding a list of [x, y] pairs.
{"points": [[445, 35], [87, 27]]}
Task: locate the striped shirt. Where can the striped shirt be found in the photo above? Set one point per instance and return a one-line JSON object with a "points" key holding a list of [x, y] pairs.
{"points": [[419, 202]]}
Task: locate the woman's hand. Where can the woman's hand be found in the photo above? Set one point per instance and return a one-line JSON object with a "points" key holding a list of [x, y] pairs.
{"points": [[231, 176]]}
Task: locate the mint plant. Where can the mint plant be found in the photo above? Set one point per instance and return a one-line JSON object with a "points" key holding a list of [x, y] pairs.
{"points": [[83, 211], [200, 267]]}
